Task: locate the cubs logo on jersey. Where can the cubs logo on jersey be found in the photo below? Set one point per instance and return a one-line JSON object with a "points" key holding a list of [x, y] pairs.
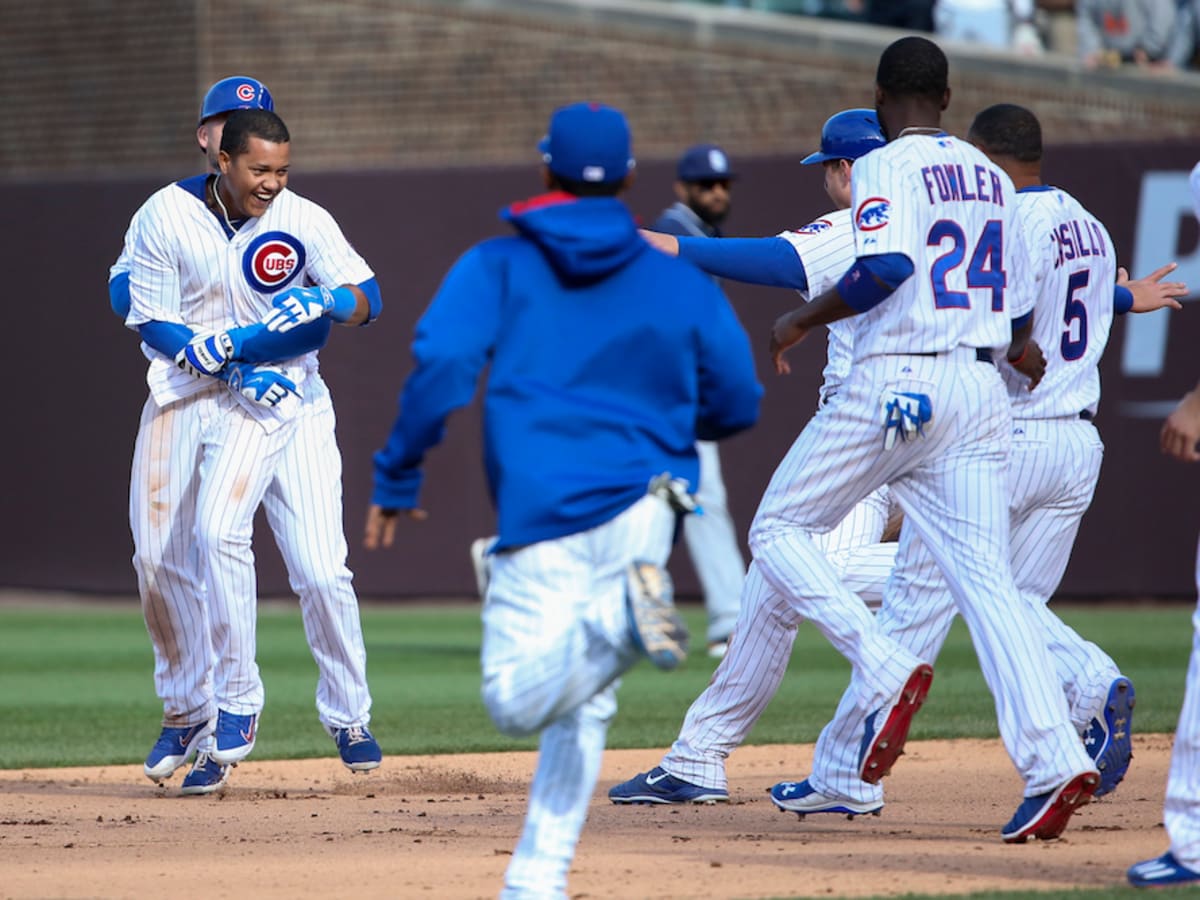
{"points": [[272, 260], [817, 227], [872, 214]]}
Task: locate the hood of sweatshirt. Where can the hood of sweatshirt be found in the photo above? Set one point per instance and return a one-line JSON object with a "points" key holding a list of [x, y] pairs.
{"points": [[584, 239]]}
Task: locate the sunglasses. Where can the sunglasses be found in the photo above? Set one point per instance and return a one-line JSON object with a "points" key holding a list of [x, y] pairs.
{"points": [[707, 184]]}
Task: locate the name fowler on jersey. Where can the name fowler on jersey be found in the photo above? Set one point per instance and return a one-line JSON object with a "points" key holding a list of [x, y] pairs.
{"points": [[952, 183], [1076, 240], [272, 260]]}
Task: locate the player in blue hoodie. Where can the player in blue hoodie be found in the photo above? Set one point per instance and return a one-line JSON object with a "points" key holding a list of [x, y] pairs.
{"points": [[608, 360]]}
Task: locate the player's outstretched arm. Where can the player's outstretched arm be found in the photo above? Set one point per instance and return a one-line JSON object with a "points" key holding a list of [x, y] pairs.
{"points": [[380, 530], [1151, 293], [665, 243], [1180, 435]]}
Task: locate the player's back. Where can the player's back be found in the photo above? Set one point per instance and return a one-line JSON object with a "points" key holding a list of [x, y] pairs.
{"points": [[939, 201], [1073, 263]]}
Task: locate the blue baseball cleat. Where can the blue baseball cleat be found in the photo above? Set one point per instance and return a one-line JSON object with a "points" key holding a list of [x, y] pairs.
{"points": [[1109, 740], [173, 748], [1164, 871], [1046, 815], [235, 737], [659, 786], [207, 776], [358, 748], [802, 798]]}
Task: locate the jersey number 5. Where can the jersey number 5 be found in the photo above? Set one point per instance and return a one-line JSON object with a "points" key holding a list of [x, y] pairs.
{"points": [[984, 270], [1075, 317]]}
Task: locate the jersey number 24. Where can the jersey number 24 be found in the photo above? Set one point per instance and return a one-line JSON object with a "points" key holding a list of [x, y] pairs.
{"points": [[985, 269]]}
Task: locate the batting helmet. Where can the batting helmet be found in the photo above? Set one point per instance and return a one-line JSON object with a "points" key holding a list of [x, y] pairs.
{"points": [[235, 92], [848, 135]]}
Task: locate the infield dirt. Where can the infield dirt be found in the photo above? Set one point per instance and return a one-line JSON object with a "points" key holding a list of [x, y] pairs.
{"points": [[444, 827]]}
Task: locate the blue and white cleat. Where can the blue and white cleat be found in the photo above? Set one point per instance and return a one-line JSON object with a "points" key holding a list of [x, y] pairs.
{"points": [[1046, 815], [1164, 871], [659, 786], [235, 737], [802, 798], [206, 777], [1109, 740], [174, 748], [358, 748]]}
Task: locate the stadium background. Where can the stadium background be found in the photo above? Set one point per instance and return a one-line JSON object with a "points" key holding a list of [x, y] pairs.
{"points": [[414, 123]]}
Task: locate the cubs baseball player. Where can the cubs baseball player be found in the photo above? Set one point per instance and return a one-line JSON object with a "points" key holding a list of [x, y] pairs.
{"points": [[578, 438], [721, 717], [1054, 464], [939, 284], [198, 438], [1180, 438]]}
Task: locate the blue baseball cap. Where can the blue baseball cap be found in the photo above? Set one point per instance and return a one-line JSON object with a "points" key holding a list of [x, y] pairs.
{"points": [[704, 162], [588, 142]]}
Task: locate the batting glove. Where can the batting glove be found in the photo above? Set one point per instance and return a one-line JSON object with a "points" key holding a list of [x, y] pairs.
{"points": [[206, 354], [904, 415], [297, 306], [261, 384]]}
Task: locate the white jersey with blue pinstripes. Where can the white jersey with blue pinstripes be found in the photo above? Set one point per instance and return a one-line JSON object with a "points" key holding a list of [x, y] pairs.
{"points": [[1072, 256], [941, 198], [826, 249]]}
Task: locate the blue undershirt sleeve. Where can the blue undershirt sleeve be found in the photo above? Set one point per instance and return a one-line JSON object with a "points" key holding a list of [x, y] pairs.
{"points": [[872, 279], [1122, 299], [118, 294], [771, 260]]}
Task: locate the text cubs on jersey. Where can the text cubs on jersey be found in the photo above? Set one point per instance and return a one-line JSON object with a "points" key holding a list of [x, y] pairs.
{"points": [[272, 260]]}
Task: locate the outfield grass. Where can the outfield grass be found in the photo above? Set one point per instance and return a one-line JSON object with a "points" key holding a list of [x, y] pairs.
{"points": [[78, 689]]}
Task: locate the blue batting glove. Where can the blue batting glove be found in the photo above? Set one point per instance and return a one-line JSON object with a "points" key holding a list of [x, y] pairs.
{"points": [[297, 306], [261, 384]]}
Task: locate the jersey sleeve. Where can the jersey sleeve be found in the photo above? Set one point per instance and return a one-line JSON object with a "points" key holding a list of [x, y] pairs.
{"points": [[826, 250], [154, 284], [881, 224], [333, 261]]}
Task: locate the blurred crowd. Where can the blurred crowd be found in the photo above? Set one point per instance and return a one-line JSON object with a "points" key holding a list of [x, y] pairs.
{"points": [[1154, 34]]}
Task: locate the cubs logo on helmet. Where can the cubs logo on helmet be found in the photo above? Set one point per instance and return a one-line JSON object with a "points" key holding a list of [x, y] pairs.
{"points": [[816, 227], [272, 260], [246, 92], [872, 214]]}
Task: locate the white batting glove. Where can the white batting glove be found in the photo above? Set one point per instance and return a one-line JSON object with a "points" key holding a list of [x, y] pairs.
{"points": [[261, 384], [206, 354], [298, 306]]}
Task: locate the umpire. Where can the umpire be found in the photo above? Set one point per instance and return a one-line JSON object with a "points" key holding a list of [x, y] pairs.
{"points": [[704, 188]]}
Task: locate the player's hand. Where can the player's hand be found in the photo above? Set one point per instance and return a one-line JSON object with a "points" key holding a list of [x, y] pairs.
{"points": [[298, 306], [786, 332], [667, 243], [262, 384], [206, 354], [1151, 293], [380, 530], [1181, 432], [1031, 363]]}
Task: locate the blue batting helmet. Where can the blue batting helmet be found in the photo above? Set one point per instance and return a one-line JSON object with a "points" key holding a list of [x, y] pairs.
{"points": [[848, 135], [235, 92]]}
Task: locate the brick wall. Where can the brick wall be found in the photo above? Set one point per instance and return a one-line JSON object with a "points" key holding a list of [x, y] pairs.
{"points": [[109, 88]]}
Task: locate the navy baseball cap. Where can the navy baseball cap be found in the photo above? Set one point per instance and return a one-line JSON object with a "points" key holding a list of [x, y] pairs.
{"points": [[704, 162], [588, 142]]}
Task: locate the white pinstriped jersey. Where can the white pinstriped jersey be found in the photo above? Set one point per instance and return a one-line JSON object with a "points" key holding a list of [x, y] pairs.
{"points": [[940, 195], [185, 269], [1074, 261], [826, 248]]}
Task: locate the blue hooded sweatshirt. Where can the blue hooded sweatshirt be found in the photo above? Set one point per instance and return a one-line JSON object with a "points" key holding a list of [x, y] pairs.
{"points": [[608, 361]]}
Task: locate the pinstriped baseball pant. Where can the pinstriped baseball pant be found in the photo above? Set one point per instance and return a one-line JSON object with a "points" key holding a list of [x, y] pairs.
{"points": [[1181, 812], [556, 639]]}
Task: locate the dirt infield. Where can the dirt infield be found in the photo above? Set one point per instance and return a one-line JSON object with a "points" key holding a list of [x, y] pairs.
{"points": [[444, 826]]}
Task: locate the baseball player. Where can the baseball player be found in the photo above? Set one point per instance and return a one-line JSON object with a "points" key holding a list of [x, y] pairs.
{"points": [[809, 259], [703, 194], [1054, 464], [271, 436], [588, 448], [1180, 438], [939, 287]]}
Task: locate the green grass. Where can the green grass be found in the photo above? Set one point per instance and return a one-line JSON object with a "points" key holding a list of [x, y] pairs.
{"points": [[78, 689]]}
